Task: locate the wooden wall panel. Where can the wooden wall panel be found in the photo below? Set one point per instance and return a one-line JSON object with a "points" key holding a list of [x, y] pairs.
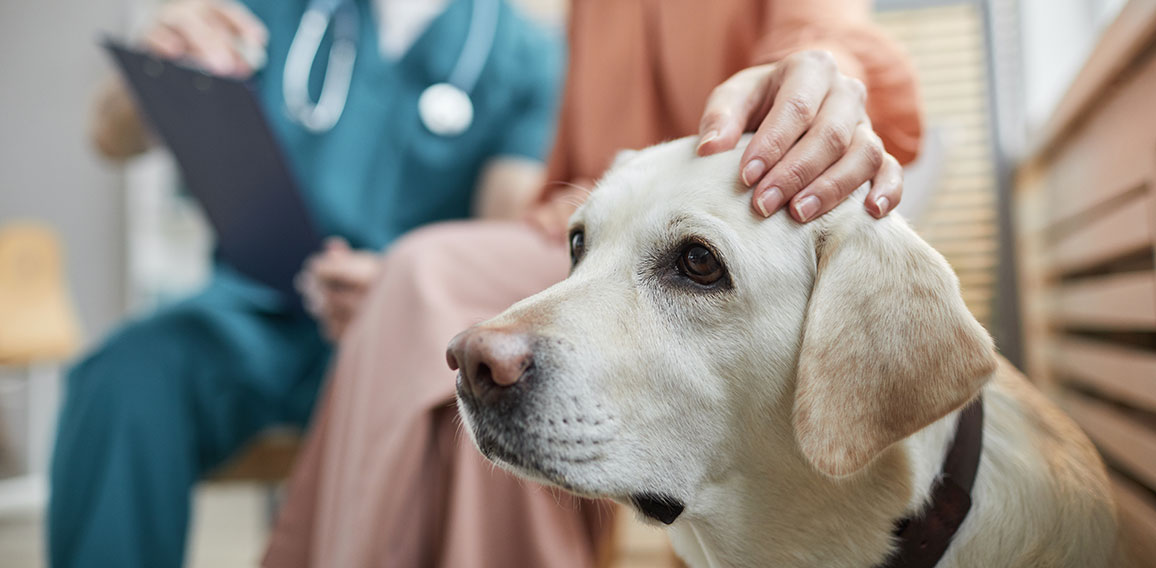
{"points": [[1114, 372], [1123, 230], [1125, 301], [1138, 516], [1086, 227], [1126, 443]]}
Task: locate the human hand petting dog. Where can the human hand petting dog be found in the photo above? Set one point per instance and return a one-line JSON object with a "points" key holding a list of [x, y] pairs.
{"points": [[813, 142], [334, 282]]}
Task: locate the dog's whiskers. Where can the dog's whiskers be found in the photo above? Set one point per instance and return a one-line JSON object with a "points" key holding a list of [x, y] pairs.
{"points": [[560, 183]]}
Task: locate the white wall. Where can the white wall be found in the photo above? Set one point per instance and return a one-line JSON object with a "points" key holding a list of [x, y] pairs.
{"points": [[1057, 36], [49, 65]]}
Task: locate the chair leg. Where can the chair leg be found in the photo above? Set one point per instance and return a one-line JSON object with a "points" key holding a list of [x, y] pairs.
{"points": [[273, 501], [43, 403]]}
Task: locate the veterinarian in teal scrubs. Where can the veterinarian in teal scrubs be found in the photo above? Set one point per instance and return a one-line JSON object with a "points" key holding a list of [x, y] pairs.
{"points": [[168, 397]]}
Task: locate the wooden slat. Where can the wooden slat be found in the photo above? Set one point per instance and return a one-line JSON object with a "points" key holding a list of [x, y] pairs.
{"points": [[960, 232], [1152, 209], [1126, 36], [975, 279], [1124, 442], [1119, 301], [980, 245], [984, 262], [1121, 373], [1137, 513], [965, 216], [956, 199], [1118, 232], [1111, 152]]}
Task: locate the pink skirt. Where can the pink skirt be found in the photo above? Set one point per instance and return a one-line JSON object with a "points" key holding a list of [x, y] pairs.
{"points": [[387, 477]]}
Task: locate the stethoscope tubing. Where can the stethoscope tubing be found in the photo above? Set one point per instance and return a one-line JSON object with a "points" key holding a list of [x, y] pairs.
{"points": [[477, 47], [322, 115]]}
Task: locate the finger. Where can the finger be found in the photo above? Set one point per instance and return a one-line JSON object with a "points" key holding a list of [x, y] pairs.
{"points": [[165, 42], [336, 317], [336, 244], [855, 168], [346, 300], [824, 144], [800, 95], [242, 22], [348, 269], [250, 36], [886, 187], [311, 292], [314, 301], [332, 270], [730, 107], [343, 278], [208, 44], [309, 268]]}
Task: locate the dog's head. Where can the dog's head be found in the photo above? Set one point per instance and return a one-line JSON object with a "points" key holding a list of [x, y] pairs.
{"points": [[692, 333]]}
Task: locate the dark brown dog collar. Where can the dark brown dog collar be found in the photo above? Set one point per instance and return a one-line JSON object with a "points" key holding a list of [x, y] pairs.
{"points": [[922, 540]]}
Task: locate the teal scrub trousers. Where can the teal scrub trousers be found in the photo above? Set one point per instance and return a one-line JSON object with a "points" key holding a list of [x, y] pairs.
{"points": [[169, 397], [165, 400]]}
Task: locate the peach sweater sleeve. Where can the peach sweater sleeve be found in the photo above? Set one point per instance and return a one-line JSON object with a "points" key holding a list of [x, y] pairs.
{"points": [[862, 50]]}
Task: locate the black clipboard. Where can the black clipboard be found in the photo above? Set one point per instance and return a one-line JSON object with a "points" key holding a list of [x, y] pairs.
{"points": [[218, 133]]}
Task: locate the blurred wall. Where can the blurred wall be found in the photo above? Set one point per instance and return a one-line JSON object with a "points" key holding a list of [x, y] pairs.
{"points": [[1057, 37], [50, 65]]}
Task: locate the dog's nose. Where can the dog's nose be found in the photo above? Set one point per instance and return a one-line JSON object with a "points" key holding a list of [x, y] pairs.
{"points": [[489, 359]]}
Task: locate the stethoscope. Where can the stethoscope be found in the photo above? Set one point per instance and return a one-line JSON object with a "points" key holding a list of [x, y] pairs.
{"points": [[444, 108]]}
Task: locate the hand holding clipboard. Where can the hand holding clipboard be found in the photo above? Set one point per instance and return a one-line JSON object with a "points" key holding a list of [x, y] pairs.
{"points": [[217, 131]]}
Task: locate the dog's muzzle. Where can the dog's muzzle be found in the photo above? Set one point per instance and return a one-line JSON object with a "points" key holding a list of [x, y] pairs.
{"points": [[495, 369], [497, 394], [490, 361]]}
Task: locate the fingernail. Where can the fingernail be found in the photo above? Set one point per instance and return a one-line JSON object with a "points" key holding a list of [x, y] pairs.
{"points": [[708, 137], [753, 171], [806, 207], [882, 203], [770, 201], [221, 63]]}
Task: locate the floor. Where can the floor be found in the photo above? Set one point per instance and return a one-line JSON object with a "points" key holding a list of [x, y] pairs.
{"points": [[229, 530], [231, 525]]}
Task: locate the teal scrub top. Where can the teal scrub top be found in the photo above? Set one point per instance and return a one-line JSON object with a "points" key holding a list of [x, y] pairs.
{"points": [[379, 172]]}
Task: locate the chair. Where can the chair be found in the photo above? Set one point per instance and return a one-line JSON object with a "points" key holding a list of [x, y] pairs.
{"points": [[37, 318], [38, 329], [268, 459]]}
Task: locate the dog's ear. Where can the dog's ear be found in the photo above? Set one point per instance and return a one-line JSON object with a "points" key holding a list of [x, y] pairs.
{"points": [[888, 348]]}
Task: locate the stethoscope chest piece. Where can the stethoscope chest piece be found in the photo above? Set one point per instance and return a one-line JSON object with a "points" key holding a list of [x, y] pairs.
{"points": [[445, 109]]}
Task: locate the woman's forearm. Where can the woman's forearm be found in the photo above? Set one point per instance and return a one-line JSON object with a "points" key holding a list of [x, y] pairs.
{"points": [[116, 128], [508, 187]]}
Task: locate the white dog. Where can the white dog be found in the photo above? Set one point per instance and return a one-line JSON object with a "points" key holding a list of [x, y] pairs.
{"points": [[778, 394]]}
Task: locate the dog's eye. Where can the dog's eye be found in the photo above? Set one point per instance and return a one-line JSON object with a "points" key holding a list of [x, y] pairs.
{"points": [[577, 246], [700, 264]]}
